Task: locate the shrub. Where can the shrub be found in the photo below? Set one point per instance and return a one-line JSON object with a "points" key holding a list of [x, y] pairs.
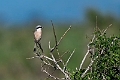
{"points": [[105, 58]]}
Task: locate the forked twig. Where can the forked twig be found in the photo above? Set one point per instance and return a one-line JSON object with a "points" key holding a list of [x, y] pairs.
{"points": [[60, 39], [106, 29], [55, 38]]}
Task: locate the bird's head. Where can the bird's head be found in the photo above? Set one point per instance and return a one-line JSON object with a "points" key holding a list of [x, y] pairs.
{"points": [[38, 26]]}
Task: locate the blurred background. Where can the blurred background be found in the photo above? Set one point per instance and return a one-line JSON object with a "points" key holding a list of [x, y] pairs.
{"points": [[18, 19]]}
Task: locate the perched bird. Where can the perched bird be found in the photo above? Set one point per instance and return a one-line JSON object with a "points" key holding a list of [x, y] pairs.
{"points": [[37, 35]]}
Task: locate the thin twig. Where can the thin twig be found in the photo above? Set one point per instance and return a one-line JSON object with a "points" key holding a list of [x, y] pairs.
{"points": [[60, 58], [84, 58], [86, 53], [64, 35], [96, 22], [106, 29], [49, 45], [55, 37], [91, 64], [87, 69], [50, 75], [68, 60], [54, 33], [64, 53], [97, 28], [61, 39]]}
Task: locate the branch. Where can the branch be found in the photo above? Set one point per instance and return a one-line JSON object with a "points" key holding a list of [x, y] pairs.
{"points": [[54, 33], [106, 29], [50, 74], [60, 39], [91, 64], [52, 62], [89, 49], [68, 60]]}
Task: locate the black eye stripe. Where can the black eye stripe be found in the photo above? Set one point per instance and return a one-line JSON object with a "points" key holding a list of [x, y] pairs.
{"points": [[38, 27]]}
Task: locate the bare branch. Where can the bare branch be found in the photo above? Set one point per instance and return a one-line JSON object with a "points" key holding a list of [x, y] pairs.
{"points": [[89, 49], [84, 58], [91, 64], [52, 62], [61, 39], [53, 58], [96, 22], [106, 29], [54, 33], [49, 45], [55, 37], [63, 35], [68, 60], [50, 75], [97, 28], [87, 69], [64, 53]]}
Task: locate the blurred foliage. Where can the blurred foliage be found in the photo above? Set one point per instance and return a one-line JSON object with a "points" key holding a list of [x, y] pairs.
{"points": [[17, 45], [103, 19]]}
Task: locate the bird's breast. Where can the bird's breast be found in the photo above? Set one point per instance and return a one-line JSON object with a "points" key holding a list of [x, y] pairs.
{"points": [[37, 34]]}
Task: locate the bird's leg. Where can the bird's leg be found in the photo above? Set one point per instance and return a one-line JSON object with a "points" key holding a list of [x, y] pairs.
{"points": [[40, 46], [35, 47]]}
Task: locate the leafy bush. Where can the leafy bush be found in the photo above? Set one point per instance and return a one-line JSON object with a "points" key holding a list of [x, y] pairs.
{"points": [[105, 58]]}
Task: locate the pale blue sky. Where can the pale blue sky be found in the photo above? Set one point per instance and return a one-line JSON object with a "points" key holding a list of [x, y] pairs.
{"points": [[21, 10]]}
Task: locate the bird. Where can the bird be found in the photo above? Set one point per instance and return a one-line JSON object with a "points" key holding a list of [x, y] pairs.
{"points": [[37, 36]]}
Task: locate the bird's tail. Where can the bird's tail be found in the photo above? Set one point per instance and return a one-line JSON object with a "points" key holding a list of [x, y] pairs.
{"points": [[35, 47]]}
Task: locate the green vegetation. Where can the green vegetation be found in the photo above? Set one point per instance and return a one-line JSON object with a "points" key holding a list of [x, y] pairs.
{"points": [[17, 45], [105, 58]]}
